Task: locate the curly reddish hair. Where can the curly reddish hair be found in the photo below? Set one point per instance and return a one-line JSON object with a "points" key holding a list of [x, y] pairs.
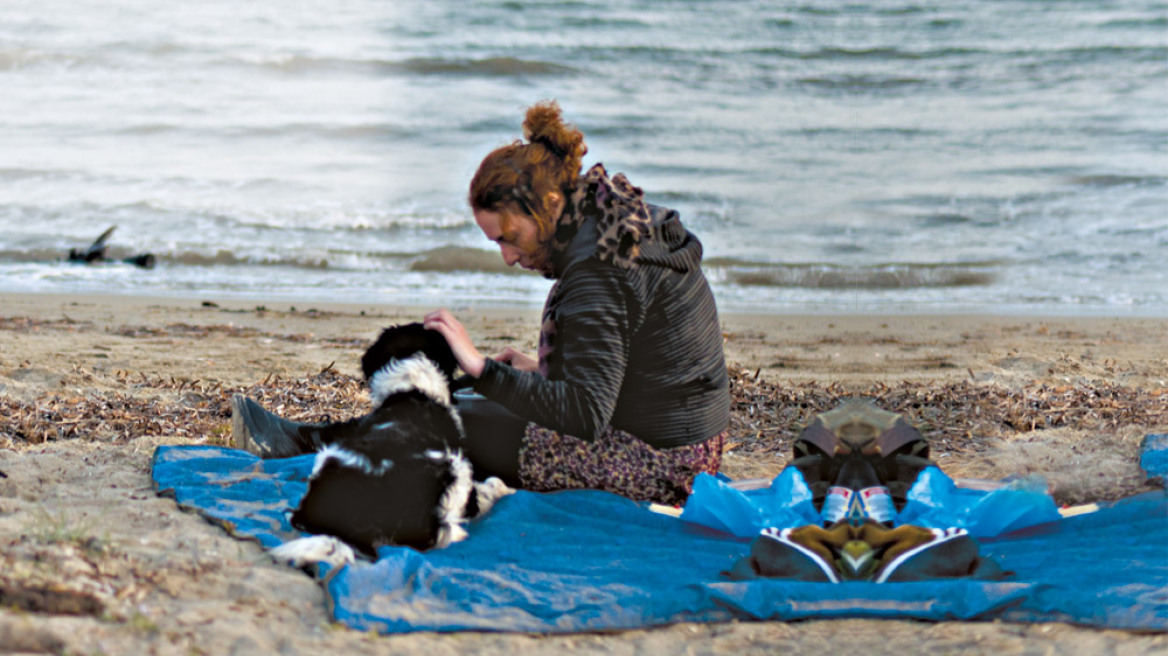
{"points": [[519, 178]]}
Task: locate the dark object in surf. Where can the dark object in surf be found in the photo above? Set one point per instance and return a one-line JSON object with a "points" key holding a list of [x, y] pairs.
{"points": [[96, 253]]}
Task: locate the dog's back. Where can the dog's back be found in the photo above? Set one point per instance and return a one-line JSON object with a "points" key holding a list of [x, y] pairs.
{"points": [[370, 503], [405, 423]]}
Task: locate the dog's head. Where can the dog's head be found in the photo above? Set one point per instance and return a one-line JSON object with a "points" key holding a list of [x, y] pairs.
{"points": [[404, 341], [400, 343]]}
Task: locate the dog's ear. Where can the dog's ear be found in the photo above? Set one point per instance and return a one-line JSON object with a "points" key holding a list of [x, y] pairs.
{"points": [[399, 342], [438, 350]]}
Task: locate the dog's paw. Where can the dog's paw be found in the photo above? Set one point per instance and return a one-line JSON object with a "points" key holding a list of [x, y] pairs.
{"points": [[302, 552], [449, 534], [489, 492]]}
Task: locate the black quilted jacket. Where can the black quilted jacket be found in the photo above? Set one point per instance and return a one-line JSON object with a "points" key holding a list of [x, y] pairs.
{"points": [[635, 346]]}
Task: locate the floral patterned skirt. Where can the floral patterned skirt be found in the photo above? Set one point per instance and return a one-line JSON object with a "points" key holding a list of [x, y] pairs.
{"points": [[616, 462]]}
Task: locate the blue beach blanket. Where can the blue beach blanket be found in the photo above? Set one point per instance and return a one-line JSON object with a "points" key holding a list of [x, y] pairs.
{"points": [[590, 561]]}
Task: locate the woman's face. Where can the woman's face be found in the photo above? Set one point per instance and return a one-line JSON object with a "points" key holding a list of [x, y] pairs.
{"points": [[518, 239]]}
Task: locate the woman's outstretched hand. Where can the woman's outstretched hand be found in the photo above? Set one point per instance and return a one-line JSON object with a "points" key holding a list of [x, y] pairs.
{"points": [[517, 359], [469, 358]]}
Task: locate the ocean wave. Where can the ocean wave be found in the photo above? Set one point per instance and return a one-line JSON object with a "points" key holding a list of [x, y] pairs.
{"points": [[861, 82], [489, 67], [337, 131], [854, 132], [13, 59], [603, 22], [674, 196], [1116, 180], [32, 255], [780, 23], [333, 131], [875, 9], [444, 259], [491, 126], [675, 168], [118, 54], [41, 255], [221, 258], [877, 277], [14, 174], [876, 53], [1103, 53], [147, 129], [881, 9], [945, 220], [448, 259], [300, 64], [1136, 23], [382, 221]]}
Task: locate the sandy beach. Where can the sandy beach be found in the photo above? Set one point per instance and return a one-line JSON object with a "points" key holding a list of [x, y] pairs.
{"points": [[93, 562]]}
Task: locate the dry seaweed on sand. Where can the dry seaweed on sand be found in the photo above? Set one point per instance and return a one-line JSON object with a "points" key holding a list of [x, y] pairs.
{"points": [[956, 417], [181, 408]]}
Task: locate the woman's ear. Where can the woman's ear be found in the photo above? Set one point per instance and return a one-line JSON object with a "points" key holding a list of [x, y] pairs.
{"points": [[555, 201]]}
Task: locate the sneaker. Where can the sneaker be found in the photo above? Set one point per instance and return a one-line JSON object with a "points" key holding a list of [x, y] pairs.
{"points": [[262, 433]]}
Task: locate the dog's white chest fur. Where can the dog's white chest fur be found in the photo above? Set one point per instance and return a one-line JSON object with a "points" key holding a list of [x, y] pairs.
{"points": [[415, 373]]}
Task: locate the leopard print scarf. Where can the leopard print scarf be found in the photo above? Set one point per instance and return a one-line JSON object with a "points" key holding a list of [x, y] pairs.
{"points": [[622, 218]]}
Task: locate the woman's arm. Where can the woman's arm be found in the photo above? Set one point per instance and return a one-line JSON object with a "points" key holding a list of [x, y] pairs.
{"points": [[595, 314], [517, 359], [468, 357]]}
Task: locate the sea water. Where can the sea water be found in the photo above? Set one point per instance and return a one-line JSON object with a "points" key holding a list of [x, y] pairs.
{"points": [[832, 155]]}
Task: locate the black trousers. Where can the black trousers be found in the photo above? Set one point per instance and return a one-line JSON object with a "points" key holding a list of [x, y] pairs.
{"points": [[494, 437]]}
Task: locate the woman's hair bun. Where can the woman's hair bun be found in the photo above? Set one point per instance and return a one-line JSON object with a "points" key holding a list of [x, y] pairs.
{"points": [[544, 125], [534, 177]]}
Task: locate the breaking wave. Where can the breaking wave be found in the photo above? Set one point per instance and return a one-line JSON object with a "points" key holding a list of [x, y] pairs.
{"points": [[823, 276], [485, 67]]}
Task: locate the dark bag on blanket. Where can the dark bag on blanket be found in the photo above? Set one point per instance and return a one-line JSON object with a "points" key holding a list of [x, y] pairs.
{"points": [[860, 462]]}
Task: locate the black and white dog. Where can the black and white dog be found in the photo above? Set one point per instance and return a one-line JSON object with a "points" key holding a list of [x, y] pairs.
{"points": [[396, 475]]}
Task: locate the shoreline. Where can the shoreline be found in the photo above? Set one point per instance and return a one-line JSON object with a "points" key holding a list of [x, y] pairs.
{"points": [[797, 309]]}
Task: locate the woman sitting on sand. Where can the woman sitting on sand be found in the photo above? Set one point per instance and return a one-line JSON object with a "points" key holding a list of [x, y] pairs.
{"points": [[629, 393]]}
